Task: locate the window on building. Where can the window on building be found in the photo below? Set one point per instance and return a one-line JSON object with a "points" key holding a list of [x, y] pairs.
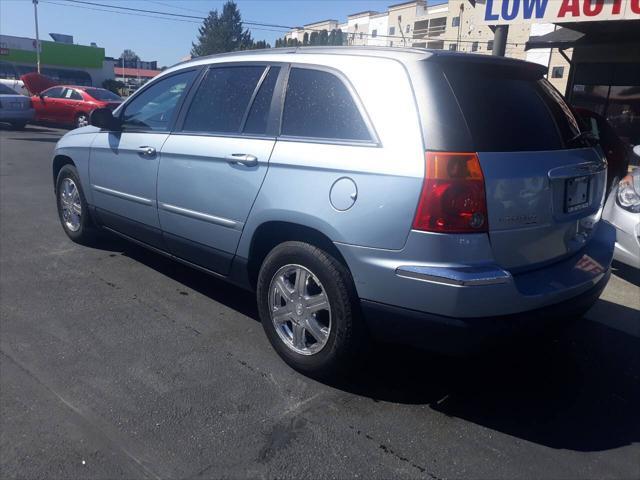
{"points": [[399, 18], [374, 33], [318, 104], [453, 47], [222, 99], [154, 107], [490, 45], [407, 29], [392, 30], [557, 72], [436, 44], [259, 114], [391, 43], [437, 26], [455, 22], [474, 47], [360, 35]]}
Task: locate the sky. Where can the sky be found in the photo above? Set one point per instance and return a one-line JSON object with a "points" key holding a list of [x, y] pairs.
{"points": [[158, 39]]}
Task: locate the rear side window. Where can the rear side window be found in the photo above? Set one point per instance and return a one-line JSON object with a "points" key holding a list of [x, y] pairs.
{"points": [[259, 113], [510, 108], [319, 105], [222, 99]]}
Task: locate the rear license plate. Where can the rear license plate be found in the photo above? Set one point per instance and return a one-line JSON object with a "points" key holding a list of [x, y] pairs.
{"points": [[576, 194]]}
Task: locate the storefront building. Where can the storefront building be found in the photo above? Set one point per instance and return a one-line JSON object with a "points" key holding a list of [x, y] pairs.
{"points": [[63, 61]]}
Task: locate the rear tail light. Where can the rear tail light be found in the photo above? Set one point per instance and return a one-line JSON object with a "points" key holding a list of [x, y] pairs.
{"points": [[453, 197]]}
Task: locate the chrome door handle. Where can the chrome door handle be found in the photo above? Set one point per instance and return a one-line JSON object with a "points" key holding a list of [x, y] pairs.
{"points": [[146, 151], [242, 158]]}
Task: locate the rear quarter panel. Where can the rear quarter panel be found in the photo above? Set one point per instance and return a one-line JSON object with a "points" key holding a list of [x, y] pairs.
{"points": [[388, 176]]}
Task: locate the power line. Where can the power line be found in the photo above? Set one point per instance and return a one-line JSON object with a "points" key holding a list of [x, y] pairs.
{"points": [[254, 25]]}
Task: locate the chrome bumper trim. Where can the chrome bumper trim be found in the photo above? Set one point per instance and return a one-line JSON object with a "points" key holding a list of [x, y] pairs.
{"points": [[459, 277]]}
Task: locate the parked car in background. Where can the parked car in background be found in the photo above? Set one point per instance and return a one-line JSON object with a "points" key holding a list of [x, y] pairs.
{"points": [[67, 104], [619, 154], [622, 210], [15, 109], [460, 206], [15, 85]]}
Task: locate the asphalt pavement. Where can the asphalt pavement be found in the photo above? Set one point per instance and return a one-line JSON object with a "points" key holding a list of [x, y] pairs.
{"points": [[118, 363]]}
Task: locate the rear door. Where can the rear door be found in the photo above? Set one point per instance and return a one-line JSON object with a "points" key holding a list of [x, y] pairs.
{"points": [[213, 165], [69, 104], [544, 184]]}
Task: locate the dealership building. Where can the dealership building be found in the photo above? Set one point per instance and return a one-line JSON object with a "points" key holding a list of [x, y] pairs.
{"points": [[60, 59]]}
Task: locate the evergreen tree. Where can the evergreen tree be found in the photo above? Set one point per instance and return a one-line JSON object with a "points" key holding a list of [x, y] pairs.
{"points": [[305, 39], [222, 32], [323, 38], [313, 39], [339, 39]]}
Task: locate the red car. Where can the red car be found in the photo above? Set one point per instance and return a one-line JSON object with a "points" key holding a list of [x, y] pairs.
{"points": [[66, 104]]}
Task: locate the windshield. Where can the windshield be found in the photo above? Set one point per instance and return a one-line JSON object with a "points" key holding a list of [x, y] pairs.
{"points": [[102, 94], [4, 90]]}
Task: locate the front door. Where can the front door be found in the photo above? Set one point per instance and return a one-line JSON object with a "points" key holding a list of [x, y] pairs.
{"points": [[212, 167], [46, 104], [124, 164]]}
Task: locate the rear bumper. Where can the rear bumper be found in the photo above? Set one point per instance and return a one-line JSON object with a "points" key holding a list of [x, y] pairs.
{"points": [[7, 115], [452, 335], [463, 280]]}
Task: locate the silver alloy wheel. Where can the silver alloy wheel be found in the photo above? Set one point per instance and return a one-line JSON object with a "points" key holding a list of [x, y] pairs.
{"points": [[82, 120], [70, 204], [299, 309]]}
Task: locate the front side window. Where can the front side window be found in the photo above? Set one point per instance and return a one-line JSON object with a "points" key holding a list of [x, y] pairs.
{"points": [[155, 107], [53, 92], [319, 105], [222, 99]]}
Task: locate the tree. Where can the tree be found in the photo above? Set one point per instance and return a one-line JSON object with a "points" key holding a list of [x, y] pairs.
{"points": [[313, 39], [260, 44], [129, 56], [323, 38], [115, 86], [222, 32], [305, 39]]}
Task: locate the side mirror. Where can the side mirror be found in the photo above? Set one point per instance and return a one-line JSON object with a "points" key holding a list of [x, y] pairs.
{"points": [[636, 150], [41, 96], [103, 119]]}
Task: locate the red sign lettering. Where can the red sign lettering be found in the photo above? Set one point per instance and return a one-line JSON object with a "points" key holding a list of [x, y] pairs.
{"points": [[635, 6], [572, 7], [591, 10], [617, 4]]}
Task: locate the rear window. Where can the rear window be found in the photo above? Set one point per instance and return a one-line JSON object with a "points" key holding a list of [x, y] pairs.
{"points": [[102, 94], [506, 108], [4, 90]]}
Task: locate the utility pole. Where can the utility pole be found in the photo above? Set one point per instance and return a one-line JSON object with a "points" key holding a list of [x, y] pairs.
{"points": [[500, 34], [404, 40], [35, 12]]}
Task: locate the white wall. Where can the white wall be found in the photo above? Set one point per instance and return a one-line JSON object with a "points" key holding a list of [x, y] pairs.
{"points": [[381, 24]]}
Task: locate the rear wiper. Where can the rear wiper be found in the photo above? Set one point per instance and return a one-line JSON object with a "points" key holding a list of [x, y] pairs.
{"points": [[586, 135]]}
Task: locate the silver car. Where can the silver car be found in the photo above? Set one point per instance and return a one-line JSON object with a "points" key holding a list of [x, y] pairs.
{"points": [[15, 109], [444, 200], [622, 210]]}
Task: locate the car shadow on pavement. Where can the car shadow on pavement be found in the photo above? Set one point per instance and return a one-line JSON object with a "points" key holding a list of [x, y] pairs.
{"points": [[628, 273], [578, 389], [216, 289]]}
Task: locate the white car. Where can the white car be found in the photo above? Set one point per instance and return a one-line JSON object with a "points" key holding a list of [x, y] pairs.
{"points": [[622, 210]]}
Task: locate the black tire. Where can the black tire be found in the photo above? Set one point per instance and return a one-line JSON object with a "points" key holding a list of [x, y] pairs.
{"points": [[80, 118], [347, 339], [85, 234], [18, 125]]}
